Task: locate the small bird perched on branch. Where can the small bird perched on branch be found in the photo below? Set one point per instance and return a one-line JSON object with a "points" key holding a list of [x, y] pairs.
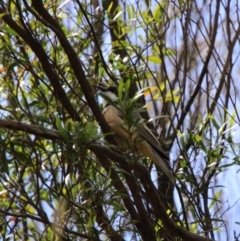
{"points": [[136, 136]]}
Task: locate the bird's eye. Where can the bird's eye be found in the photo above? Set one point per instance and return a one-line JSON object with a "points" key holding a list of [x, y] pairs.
{"points": [[113, 89]]}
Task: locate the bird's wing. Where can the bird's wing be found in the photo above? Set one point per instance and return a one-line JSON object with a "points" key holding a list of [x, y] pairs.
{"points": [[148, 136], [114, 119], [161, 158]]}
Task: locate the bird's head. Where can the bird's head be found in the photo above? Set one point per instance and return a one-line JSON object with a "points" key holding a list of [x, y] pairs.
{"points": [[109, 94]]}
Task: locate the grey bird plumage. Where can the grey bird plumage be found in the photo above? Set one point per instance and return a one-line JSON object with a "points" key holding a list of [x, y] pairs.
{"points": [[141, 136]]}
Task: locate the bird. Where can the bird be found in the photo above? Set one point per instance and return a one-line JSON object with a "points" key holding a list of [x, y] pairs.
{"points": [[140, 138]]}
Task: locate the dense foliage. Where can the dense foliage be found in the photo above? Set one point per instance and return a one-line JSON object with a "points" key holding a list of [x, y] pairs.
{"points": [[62, 177]]}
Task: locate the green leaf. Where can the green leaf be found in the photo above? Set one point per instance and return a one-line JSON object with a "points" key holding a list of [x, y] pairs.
{"points": [[10, 31], [127, 88], [198, 138], [232, 121], [215, 199], [154, 59], [69, 126], [117, 15], [59, 123], [215, 124], [120, 90], [109, 7], [221, 129]]}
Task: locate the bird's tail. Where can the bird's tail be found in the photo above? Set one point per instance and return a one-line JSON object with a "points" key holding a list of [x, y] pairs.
{"points": [[161, 161]]}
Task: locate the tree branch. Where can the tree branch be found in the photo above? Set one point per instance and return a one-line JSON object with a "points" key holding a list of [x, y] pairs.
{"points": [[43, 58], [144, 175]]}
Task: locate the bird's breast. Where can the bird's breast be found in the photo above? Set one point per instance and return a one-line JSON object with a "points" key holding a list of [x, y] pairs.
{"points": [[125, 137], [112, 116]]}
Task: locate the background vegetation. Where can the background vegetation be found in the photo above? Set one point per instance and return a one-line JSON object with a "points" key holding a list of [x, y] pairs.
{"points": [[61, 177]]}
